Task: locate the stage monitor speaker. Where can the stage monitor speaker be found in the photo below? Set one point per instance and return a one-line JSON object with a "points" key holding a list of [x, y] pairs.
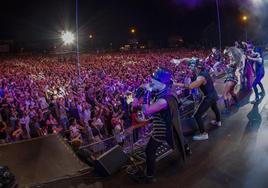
{"points": [[111, 161], [7, 179]]}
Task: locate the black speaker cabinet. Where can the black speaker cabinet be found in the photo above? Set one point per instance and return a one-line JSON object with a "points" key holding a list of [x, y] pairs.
{"points": [[111, 161]]}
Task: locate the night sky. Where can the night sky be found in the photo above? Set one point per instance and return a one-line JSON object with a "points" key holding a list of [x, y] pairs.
{"points": [[110, 20]]}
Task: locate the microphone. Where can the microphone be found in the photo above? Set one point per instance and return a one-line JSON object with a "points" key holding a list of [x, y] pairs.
{"points": [[147, 97], [140, 92]]}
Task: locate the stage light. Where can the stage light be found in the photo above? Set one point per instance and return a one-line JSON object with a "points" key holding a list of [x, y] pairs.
{"points": [[133, 31], [90, 36], [67, 37], [244, 18]]}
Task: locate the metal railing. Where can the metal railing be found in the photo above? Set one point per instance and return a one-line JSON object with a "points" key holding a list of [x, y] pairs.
{"points": [[100, 147]]}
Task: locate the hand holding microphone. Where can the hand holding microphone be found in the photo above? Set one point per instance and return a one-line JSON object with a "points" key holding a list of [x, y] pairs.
{"points": [[144, 93], [148, 87]]}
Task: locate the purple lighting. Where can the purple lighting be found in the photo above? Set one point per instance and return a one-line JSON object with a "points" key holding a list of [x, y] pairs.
{"points": [[189, 3]]}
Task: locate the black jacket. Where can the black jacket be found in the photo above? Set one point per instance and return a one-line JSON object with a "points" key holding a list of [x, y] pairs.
{"points": [[174, 131]]}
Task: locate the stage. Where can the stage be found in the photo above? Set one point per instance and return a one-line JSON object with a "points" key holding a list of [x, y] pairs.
{"points": [[41, 160], [234, 156]]}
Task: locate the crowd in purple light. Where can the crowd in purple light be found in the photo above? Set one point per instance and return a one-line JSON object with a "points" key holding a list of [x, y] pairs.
{"points": [[40, 95]]}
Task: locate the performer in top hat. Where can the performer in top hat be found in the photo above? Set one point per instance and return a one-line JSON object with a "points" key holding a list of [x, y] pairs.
{"points": [[165, 118]]}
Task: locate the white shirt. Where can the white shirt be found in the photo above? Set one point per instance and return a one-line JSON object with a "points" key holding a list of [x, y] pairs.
{"points": [[43, 103], [25, 120], [87, 115], [75, 132], [98, 123]]}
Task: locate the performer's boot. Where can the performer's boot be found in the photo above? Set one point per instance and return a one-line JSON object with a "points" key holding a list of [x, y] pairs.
{"points": [[188, 150], [227, 107], [236, 101], [262, 90], [142, 178], [257, 98]]}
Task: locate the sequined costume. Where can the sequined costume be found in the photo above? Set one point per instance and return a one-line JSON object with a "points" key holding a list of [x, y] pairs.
{"points": [[230, 74]]}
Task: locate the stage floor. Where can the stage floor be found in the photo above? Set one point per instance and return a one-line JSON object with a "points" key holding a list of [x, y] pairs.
{"points": [[41, 160], [234, 156]]}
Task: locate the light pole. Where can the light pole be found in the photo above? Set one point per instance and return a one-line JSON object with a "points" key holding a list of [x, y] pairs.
{"points": [[68, 40], [219, 23], [245, 21], [133, 38], [90, 37], [133, 31], [77, 42]]}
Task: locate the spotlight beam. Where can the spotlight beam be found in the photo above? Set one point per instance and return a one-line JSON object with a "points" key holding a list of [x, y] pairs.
{"points": [[67, 37]]}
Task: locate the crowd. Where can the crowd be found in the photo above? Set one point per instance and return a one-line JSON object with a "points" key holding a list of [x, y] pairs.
{"points": [[40, 95]]}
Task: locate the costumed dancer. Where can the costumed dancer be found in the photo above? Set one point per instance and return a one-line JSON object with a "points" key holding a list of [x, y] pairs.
{"points": [[257, 58], [215, 56], [231, 79], [210, 96], [166, 126], [239, 51], [248, 70]]}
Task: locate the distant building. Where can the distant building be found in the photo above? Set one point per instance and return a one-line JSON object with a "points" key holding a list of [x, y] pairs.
{"points": [[6, 46], [175, 41]]}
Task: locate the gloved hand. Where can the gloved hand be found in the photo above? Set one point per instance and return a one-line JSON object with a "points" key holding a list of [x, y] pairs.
{"points": [[148, 87]]}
